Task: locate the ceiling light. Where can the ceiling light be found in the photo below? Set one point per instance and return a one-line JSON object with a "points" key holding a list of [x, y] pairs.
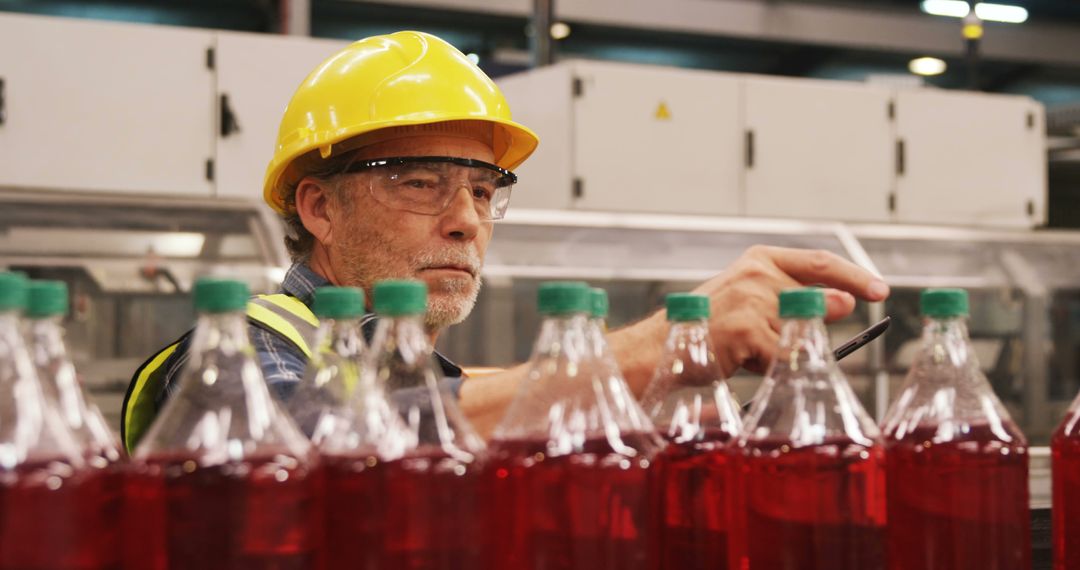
{"points": [[1001, 13], [951, 8], [927, 66], [560, 30], [474, 58]]}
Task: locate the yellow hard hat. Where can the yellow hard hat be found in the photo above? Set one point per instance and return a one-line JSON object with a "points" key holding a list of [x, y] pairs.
{"points": [[399, 80]]}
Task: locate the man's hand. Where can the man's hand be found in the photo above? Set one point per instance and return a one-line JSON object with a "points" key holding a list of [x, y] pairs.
{"points": [[745, 319], [745, 322]]}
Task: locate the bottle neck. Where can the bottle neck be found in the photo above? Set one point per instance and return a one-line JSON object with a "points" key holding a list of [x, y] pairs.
{"points": [[563, 336], [13, 346], [225, 333], [343, 337], [402, 352], [947, 341], [47, 339], [691, 341], [803, 343]]}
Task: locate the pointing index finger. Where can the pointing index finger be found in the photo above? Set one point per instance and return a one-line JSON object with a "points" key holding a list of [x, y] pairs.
{"points": [[808, 266]]}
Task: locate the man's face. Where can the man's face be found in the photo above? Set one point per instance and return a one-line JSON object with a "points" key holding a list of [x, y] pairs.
{"points": [[372, 242]]}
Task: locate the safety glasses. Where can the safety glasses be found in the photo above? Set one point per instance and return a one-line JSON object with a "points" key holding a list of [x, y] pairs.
{"points": [[427, 184]]}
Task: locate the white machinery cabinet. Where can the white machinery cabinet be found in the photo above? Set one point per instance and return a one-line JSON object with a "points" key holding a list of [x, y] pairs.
{"points": [[629, 138], [817, 149], [256, 77], [94, 106], [970, 159]]}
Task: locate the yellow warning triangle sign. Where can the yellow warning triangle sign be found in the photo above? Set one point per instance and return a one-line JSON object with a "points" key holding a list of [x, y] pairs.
{"points": [[662, 112]]}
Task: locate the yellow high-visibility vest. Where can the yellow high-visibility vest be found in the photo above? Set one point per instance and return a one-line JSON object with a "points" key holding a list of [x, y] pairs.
{"points": [[281, 314]]}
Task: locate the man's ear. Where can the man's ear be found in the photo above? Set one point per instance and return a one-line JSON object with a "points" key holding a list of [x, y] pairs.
{"points": [[313, 207]]}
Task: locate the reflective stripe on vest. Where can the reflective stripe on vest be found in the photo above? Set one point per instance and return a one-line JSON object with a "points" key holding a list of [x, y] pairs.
{"points": [[280, 314]]}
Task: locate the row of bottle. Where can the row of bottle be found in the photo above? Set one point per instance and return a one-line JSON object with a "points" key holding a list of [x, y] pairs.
{"points": [[575, 476]]}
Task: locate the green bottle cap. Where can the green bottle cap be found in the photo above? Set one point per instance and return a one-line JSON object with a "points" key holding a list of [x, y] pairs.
{"points": [[599, 300], [46, 299], [805, 303], [214, 295], [564, 298], [12, 291], [400, 297], [338, 303], [687, 307], [944, 303]]}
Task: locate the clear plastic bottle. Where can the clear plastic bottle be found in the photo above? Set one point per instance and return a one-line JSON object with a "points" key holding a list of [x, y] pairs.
{"points": [[1065, 449], [957, 463], [223, 478], [432, 486], [693, 409], [616, 391], [366, 435], [810, 474], [54, 509], [46, 307], [568, 470], [334, 369]]}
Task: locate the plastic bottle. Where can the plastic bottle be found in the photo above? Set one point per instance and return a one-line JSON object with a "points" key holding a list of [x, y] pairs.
{"points": [[1065, 450], [612, 383], [366, 435], [53, 507], [334, 368], [432, 487], [223, 479], [47, 305], [693, 409], [810, 488], [957, 464], [568, 472]]}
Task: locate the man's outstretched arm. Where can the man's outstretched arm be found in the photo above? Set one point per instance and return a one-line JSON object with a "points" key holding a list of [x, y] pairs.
{"points": [[745, 325]]}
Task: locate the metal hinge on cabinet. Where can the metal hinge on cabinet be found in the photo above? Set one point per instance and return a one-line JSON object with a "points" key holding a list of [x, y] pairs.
{"points": [[1031, 208], [210, 169], [578, 87], [749, 149], [3, 110], [1030, 120], [892, 202], [210, 59], [579, 188], [227, 122], [892, 110], [901, 157]]}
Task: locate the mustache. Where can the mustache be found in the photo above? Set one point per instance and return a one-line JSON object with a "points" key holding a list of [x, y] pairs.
{"points": [[466, 258]]}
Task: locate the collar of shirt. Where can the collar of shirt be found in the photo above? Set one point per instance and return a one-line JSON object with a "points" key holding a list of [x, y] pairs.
{"points": [[301, 282]]}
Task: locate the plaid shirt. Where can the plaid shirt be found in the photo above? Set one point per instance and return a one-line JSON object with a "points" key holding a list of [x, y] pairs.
{"points": [[281, 361]]}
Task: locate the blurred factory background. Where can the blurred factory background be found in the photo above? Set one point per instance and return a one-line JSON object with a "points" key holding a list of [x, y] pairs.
{"points": [[936, 148]]}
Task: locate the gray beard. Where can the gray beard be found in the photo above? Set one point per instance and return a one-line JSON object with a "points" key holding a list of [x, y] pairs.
{"points": [[367, 259]]}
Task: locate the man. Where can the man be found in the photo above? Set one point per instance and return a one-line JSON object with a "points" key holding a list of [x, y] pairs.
{"points": [[394, 159]]}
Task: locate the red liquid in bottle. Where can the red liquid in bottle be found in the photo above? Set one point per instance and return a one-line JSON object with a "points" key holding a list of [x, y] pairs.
{"points": [[1065, 447], [958, 505], [55, 518], [811, 508], [586, 511], [431, 522], [256, 515], [693, 501], [355, 512]]}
